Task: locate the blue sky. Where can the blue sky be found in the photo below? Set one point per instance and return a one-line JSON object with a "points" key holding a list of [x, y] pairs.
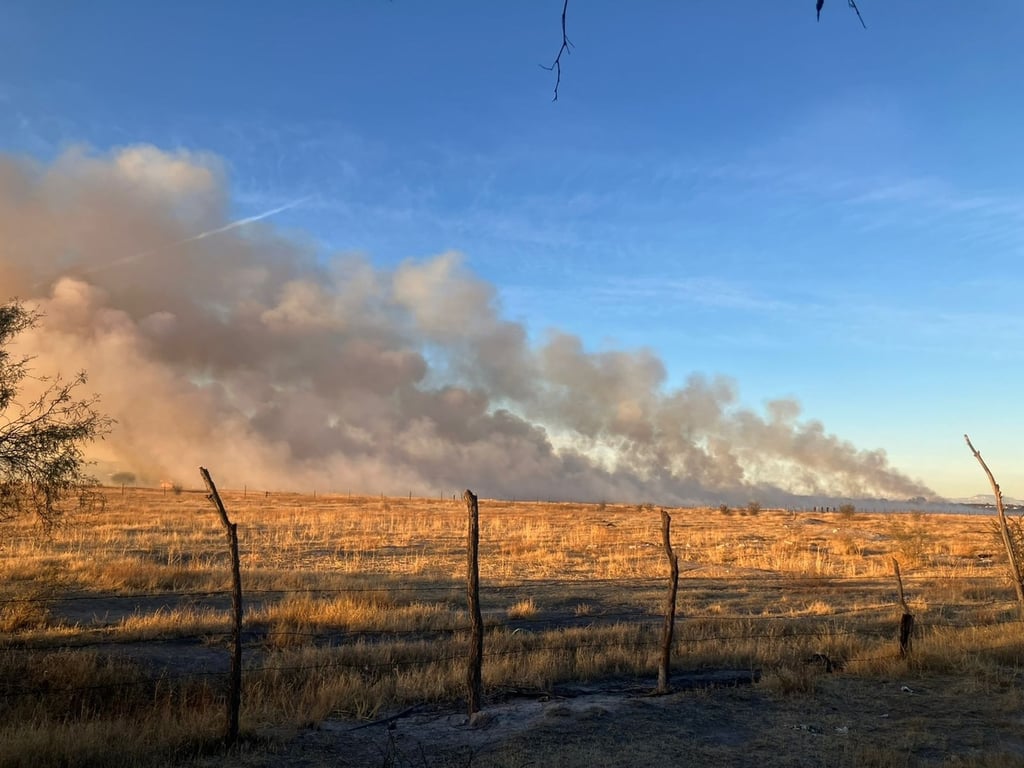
{"points": [[812, 209]]}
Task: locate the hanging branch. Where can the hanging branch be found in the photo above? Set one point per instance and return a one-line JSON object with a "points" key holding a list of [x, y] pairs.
{"points": [[852, 3], [556, 65], [857, 10], [567, 46]]}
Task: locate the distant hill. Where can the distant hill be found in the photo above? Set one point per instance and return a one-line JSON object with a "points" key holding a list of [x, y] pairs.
{"points": [[988, 499]]}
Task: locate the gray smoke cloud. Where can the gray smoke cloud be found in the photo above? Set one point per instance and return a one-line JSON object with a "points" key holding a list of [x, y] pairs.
{"points": [[239, 348]]}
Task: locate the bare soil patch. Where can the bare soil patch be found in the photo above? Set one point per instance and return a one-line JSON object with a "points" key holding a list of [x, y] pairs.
{"points": [[933, 721]]}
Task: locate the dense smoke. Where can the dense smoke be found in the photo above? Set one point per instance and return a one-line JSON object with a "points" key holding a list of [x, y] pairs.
{"points": [[246, 351]]}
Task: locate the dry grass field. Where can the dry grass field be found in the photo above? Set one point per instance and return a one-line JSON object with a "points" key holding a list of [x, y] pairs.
{"points": [[114, 636]]}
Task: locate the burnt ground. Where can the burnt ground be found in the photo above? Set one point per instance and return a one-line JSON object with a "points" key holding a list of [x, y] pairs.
{"points": [[844, 721]]}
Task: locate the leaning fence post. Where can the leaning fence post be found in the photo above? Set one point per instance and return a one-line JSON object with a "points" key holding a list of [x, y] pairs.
{"points": [[907, 619], [670, 605], [1012, 549], [474, 671], [235, 694]]}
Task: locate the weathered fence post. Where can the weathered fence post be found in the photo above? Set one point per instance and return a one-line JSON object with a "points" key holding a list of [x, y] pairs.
{"points": [[474, 668], [235, 693], [670, 605], [1012, 553], [907, 619]]}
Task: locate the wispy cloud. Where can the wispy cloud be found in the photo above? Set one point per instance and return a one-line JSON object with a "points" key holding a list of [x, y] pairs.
{"points": [[707, 291]]}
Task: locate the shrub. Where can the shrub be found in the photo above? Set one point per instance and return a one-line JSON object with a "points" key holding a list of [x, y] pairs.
{"points": [[42, 465]]}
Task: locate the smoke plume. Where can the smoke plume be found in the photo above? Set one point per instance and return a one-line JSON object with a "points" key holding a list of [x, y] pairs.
{"points": [[244, 350]]}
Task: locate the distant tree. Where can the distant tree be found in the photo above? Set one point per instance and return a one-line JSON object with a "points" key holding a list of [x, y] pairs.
{"points": [[123, 478], [42, 467], [754, 508]]}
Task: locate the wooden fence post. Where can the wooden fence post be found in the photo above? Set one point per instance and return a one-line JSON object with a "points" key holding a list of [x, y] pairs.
{"points": [[235, 693], [474, 668], [907, 619], [1012, 553], [670, 605]]}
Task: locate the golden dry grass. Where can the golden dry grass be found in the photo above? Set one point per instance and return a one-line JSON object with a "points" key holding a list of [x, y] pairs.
{"points": [[356, 604]]}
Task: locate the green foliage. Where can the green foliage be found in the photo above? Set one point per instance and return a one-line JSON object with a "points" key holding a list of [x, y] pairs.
{"points": [[41, 439]]}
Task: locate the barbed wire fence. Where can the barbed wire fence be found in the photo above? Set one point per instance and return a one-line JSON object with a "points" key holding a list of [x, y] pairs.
{"points": [[240, 651]]}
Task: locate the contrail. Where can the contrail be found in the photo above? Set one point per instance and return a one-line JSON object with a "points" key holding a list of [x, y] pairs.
{"points": [[234, 224], [201, 236]]}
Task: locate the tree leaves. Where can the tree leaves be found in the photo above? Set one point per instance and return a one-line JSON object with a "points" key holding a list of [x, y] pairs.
{"points": [[42, 464]]}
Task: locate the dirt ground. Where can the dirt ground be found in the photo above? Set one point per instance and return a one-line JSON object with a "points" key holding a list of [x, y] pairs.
{"points": [[843, 722]]}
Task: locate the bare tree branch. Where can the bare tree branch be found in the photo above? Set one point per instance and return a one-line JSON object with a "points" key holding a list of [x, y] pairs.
{"points": [[1012, 551], [42, 440], [855, 8], [556, 65], [567, 46], [852, 3]]}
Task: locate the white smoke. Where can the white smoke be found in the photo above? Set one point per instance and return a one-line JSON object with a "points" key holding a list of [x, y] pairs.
{"points": [[223, 343]]}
